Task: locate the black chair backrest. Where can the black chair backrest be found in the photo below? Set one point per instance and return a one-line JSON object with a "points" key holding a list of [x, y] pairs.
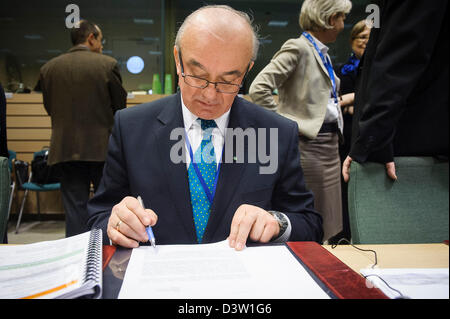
{"points": [[21, 170]]}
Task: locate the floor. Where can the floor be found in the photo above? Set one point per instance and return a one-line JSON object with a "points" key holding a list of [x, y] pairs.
{"points": [[36, 231]]}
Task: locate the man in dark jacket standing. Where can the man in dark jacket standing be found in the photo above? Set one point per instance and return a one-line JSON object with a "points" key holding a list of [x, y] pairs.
{"points": [[82, 89]]}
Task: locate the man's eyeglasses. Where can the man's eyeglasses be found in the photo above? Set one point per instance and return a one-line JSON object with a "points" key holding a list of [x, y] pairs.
{"points": [[221, 87]]}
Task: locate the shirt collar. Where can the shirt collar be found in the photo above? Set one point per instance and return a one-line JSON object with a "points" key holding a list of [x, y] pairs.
{"points": [[79, 47], [189, 118], [322, 47]]}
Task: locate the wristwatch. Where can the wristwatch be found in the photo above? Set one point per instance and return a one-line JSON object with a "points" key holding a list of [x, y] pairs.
{"points": [[282, 222]]}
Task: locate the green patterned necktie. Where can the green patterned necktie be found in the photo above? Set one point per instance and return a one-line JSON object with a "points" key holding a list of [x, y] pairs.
{"points": [[206, 160]]}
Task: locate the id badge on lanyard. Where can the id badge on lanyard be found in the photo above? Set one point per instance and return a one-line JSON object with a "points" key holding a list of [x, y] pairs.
{"points": [[209, 194]]}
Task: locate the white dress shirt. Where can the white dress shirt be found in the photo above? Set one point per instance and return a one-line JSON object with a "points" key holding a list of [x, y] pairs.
{"points": [[194, 133], [332, 114]]}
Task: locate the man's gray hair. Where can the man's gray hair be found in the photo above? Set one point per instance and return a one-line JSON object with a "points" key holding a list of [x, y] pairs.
{"points": [[315, 14], [240, 14]]}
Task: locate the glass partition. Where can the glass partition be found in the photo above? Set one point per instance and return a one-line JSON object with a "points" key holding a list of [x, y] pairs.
{"points": [[138, 33], [33, 32]]}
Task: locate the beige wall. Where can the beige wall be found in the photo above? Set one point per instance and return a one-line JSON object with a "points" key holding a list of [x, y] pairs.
{"points": [[28, 130]]}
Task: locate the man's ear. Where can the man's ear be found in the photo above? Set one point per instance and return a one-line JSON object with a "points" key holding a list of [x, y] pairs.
{"points": [[251, 66], [177, 59], [90, 39]]}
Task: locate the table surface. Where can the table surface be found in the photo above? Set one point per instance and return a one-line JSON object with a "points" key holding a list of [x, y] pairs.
{"points": [[393, 256]]}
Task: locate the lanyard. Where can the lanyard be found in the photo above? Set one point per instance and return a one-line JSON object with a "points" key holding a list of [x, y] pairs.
{"points": [[209, 194], [326, 62]]}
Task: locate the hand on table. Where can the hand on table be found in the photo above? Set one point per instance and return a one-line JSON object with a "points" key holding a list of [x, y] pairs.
{"points": [[252, 222]]}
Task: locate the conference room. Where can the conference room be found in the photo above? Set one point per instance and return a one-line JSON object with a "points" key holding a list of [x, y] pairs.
{"points": [[93, 95]]}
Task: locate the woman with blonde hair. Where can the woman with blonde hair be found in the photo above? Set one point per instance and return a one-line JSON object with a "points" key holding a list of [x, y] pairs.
{"points": [[308, 89]]}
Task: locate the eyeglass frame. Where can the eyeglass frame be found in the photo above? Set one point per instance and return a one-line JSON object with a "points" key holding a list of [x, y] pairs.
{"points": [[184, 75], [362, 38]]}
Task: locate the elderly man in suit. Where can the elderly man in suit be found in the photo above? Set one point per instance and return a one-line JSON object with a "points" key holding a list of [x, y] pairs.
{"points": [[82, 89], [203, 199]]}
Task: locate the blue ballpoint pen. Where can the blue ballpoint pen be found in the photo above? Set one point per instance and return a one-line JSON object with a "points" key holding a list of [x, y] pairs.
{"points": [[149, 230]]}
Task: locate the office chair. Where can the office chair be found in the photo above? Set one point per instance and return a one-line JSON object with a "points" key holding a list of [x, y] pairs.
{"points": [[30, 186], [413, 209], [5, 189], [11, 157]]}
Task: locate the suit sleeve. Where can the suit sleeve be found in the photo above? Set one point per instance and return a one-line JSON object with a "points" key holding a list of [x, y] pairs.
{"points": [[45, 98], [274, 75], [116, 90], [114, 185], [292, 198], [408, 34]]}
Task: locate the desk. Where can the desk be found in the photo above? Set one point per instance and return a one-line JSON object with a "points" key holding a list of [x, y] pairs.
{"points": [[389, 256], [393, 256]]}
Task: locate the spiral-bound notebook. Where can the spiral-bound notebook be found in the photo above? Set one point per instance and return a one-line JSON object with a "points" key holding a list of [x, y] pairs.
{"points": [[64, 268]]}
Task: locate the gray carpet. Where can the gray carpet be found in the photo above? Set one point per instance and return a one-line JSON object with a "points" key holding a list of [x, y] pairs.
{"points": [[36, 231]]}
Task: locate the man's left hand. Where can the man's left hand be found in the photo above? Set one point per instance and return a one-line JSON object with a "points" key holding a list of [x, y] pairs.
{"points": [[254, 222]]}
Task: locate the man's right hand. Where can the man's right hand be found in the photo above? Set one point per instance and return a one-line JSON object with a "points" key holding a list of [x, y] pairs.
{"points": [[126, 225]]}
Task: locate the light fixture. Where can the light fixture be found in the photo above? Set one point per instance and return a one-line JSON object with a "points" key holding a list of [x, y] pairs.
{"points": [[278, 23], [143, 21], [135, 64], [33, 36]]}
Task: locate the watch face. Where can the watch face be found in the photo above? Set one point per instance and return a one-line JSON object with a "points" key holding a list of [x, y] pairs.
{"points": [[281, 221]]}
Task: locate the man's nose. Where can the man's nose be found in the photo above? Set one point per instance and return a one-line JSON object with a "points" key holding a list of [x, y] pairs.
{"points": [[210, 91]]}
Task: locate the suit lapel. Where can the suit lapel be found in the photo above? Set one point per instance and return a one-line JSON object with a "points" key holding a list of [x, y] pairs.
{"points": [[229, 176], [319, 60], [171, 118]]}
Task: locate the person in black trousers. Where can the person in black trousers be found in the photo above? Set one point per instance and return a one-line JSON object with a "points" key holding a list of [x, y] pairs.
{"points": [[347, 73]]}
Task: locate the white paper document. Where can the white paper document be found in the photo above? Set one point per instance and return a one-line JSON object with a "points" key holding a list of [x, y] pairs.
{"points": [[430, 283], [211, 271]]}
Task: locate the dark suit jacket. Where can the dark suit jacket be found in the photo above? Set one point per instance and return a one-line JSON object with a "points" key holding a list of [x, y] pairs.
{"points": [[138, 163], [3, 135], [81, 91], [401, 106]]}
